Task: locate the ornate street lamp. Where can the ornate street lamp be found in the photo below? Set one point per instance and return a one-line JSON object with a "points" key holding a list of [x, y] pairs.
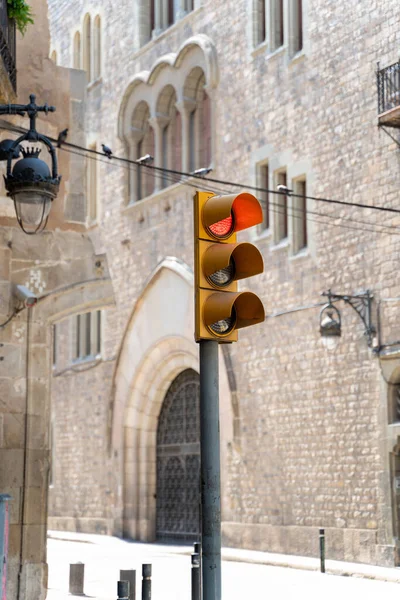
{"points": [[330, 322], [30, 183]]}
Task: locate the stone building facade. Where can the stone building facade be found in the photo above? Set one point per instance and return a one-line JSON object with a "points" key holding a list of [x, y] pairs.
{"points": [[60, 268], [265, 93]]}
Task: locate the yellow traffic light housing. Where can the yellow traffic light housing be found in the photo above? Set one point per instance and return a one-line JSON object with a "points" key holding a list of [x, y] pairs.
{"points": [[220, 262]]}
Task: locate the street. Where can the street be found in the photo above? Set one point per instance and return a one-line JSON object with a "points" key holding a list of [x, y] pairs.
{"points": [[103, 556]]}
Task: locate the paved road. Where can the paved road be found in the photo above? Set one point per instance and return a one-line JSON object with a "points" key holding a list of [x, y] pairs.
{"points": [[104, 556]]}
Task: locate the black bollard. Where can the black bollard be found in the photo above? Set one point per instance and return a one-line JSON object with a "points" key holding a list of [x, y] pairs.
{"points": [[195, 576], [322, 549], [146, 582], [129, 575], [123, 590], [197, 550]]}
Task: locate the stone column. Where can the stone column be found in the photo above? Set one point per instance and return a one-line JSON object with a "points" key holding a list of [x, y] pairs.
{"points": [[159, 17], [158, 123], [185, 107], [181, 10]]}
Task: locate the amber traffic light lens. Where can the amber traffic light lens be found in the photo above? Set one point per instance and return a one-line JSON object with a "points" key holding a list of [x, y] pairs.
{"points": [[224, 228], [224, 326], [224, 276]]}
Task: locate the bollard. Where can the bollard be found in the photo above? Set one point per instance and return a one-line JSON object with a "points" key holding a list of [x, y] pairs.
{"points": [[146, 582], [123, 590], [129, 575], [76, 577], [322, 549], [197, 548], [195, 577]]}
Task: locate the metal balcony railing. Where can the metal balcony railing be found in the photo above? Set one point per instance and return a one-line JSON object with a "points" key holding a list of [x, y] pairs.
{"points": [[7, 43], [388, 80]]}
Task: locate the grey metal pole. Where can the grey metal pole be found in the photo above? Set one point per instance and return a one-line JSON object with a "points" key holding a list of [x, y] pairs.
{"points": [[210, 471]]}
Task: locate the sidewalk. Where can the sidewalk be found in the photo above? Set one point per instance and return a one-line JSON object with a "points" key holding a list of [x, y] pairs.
{"points": [[83, 545]]}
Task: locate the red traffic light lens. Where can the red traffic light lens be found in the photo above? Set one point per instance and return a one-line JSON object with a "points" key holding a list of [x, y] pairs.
{"points": [[222, 229]]}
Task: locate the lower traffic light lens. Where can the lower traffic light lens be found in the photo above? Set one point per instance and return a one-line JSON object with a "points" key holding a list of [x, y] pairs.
{"points": [[222, 229], [224, 326], [224, 276]]}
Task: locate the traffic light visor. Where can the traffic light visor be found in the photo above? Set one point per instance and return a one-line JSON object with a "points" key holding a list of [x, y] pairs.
{"points": [[224, 215], [224, 263], [237, 309]]}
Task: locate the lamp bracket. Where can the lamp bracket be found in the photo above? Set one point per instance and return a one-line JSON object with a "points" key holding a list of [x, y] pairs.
{"points": [[362, 304]]}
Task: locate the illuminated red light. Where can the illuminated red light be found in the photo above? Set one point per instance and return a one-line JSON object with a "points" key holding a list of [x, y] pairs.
{"points": [[222, 228]]}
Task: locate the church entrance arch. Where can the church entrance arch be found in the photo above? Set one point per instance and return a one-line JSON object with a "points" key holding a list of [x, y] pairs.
{"points": [[178, 460]]}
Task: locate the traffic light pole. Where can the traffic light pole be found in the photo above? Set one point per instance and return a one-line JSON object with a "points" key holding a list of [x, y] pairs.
{"points": [[210, 471]]}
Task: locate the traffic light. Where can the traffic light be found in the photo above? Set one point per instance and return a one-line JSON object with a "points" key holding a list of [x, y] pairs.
{"points": [[220, 310]]}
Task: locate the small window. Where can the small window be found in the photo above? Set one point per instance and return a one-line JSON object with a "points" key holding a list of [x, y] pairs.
{"points": [[300, 233], [394, 404], [281, 209], [87, 42], [54, 346], [88, 335], [192, 141], [296, 26], [97, 48], [91, 183], [260, 22], [263, 182], [277, 20], [77, 50]]}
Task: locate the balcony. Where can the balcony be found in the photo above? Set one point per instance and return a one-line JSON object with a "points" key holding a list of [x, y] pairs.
{"points": [[388, 80]]}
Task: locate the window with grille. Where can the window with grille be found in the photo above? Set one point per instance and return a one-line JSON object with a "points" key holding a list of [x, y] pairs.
{"points": [[88, 335]]}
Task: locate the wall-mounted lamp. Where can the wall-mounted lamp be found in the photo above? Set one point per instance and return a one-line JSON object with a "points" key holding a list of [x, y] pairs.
{"points": [[30, 183], [330, 321]]}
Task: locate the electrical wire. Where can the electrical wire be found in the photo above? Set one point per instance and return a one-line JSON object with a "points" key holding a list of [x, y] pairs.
{"points": [[278, 208], [66, 145]]}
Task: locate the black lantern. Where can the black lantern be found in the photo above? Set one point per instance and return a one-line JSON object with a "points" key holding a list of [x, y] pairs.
{"points": [[330, 323], [32, 187], [30, 184]]}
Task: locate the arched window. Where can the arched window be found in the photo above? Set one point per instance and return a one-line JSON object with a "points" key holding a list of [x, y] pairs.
{"points": [[77, 51], [53, 57], [97, 47], [171, 143], [199, 126], [87, 47], [141, 179]]}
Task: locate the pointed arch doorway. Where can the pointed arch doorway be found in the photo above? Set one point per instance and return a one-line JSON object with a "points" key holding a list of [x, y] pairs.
{"points": [[178, 460]]}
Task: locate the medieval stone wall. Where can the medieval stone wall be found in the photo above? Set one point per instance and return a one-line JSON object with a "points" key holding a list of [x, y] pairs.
{"points": [[309, 450]]}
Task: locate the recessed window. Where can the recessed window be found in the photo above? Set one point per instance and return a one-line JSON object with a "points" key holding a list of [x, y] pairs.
{"points": [[87, 47], [260, 21], [97, 47], [91, 181], [277, 22], [54, 346], [299, 205], [394, 403], [77, 51], [263, 195], [88, 335], [281, 208], [296, 26]]}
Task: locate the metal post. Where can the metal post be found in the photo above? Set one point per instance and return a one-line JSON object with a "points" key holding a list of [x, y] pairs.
{"points": [[123, 590], [322, 549], [76, 579], [129, 575], [197, 550], [146, 582], [195, 577], [210, 471]]}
